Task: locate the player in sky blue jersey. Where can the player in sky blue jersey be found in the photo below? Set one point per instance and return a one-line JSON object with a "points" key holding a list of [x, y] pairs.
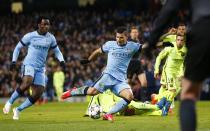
{"points": [[114, 77], [33, 66]]}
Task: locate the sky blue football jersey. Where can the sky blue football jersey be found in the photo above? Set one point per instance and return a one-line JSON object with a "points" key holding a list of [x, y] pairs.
{"points": [[38, 46], [119, 57]]}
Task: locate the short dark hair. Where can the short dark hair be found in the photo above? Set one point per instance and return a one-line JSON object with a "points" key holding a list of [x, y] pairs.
{"points": [[181, 24], [39, 20], [178, 34], [121, 30], [134, 28]]}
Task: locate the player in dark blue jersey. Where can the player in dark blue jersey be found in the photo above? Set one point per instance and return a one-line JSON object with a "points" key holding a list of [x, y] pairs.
{"points": [[33, 66]]}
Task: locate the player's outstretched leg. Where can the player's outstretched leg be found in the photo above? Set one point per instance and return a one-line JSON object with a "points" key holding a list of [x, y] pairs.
{"points": [[118, 107], [141, 105], [9, 103], [127, 96], [75, 92]]}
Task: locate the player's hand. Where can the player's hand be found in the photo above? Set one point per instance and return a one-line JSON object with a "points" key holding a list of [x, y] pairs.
{"points": [[62, 64], [156, 75], [172, 31], [84, 61], [13, 66]]}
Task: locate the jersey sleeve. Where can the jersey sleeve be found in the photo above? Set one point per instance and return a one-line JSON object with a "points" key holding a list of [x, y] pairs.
{"points": [[17, 51], [25, 41], [159, 58], [138, 47], [106, 47], [53, 43]]}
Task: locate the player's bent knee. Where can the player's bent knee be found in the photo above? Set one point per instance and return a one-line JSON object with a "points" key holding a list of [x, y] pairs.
{"points": [[92, 91]]}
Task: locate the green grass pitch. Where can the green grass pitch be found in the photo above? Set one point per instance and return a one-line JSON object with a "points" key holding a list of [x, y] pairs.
{"points": [[69, 117]]}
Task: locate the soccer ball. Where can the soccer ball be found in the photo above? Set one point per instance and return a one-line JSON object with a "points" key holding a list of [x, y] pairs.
{"points": [[95, 111]]}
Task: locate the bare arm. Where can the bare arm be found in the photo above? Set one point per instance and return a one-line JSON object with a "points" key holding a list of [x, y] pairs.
{"points": [[94, 55], [172, 31]]}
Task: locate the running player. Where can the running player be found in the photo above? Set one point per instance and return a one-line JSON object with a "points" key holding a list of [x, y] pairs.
{"points": [[172, 70], [33, 67]]}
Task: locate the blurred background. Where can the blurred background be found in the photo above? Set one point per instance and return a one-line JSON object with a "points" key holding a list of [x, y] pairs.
{"points": [[80, 27]]}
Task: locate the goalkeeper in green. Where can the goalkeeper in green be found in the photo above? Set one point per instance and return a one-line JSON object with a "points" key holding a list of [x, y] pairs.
{"points": [[173, 70], [107, 101]]}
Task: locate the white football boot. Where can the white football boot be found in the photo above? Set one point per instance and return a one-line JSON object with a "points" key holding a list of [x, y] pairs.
{"points": [[16, 114], [7, 108]]}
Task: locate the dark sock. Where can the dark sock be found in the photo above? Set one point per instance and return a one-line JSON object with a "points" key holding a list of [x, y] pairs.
{"points": [[187, 115], [143, 94]]}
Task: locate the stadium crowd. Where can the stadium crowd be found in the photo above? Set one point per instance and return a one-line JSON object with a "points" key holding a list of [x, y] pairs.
{"points": [[78, 33]]}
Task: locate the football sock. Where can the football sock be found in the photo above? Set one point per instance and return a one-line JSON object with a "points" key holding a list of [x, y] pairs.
{"points": [[15, 95], [28, 102], [187, 115], [119, 106], [143, 94], [82, 91], [44, 94]]}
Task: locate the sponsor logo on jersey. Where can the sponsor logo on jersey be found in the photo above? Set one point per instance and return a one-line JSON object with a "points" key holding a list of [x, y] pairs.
{"points": [[128, 49], [182, 54], [48, 41], [39, 47]]}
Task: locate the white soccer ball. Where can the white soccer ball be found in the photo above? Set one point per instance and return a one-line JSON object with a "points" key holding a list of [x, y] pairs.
{"points": [[95, 111]]}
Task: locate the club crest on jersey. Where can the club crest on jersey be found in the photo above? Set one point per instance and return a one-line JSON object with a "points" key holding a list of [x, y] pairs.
{"points": [[182, 54], [128, 49], [48, 41]]}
